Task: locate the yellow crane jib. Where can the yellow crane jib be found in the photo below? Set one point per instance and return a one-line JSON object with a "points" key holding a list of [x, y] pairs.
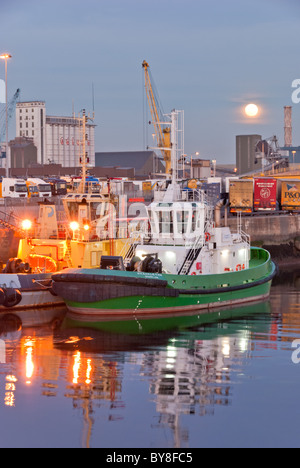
{"points": [[162, 133]]}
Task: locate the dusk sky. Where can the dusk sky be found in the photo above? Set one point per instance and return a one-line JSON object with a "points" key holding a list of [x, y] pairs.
{"points": [[207, 57]]}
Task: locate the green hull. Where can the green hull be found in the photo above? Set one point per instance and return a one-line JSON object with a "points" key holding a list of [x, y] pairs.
{"points": [[179, 295]]}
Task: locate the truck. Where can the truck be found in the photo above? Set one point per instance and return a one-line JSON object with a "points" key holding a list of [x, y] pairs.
{"points": [[265, 194], [13, 188], [241, 195], [43, 188], [290, 194], [59, 186], [32, 189]]}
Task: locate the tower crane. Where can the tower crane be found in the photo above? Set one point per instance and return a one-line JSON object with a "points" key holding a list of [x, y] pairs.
{"points": [[162, 129], [10, 110]]}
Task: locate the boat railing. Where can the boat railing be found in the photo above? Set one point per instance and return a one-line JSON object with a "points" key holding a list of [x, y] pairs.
{"points": [[128, 249], [240, 236], [10, 221], [192, 255]]}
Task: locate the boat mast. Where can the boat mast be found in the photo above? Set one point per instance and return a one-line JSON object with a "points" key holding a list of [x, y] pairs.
{"points": [[83, 154], [177, 150]]}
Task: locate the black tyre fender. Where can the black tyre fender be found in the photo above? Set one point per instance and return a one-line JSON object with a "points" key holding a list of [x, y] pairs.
{"points": [[12, 298]]}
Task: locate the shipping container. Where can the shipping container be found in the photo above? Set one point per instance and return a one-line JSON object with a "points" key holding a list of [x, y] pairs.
{"points": [[227, 182], [265, 194], [212, 191], [241, 195], [290, 194]]}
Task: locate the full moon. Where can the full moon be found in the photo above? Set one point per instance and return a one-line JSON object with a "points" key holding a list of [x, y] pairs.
{"points": [[251, 110]]}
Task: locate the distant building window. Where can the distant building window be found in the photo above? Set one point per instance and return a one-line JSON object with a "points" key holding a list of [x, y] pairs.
{"points": [[32, 132]]}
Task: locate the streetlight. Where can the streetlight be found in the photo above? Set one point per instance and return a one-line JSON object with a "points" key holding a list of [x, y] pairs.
{"points": [[194, 154], [5, 57], [214, 162], [293, 152]]}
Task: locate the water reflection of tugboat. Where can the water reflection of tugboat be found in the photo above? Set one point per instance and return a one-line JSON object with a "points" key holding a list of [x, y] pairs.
{"points": [[139, 333], [187, 366]]}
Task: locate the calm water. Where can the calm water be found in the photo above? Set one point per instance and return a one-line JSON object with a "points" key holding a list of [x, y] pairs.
{"points": [[229, 384]]}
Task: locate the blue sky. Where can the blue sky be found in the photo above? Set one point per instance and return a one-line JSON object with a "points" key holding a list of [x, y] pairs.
{"points": [[207, 57]]}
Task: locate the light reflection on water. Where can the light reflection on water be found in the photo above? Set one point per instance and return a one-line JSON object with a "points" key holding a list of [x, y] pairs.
{"points": [[229, 383]]}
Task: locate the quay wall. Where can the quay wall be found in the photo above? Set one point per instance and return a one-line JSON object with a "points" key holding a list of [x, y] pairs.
{"points": [[280, 234]]}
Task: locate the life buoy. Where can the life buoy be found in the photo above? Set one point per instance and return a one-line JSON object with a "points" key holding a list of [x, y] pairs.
{"points": [[243, 267], [238, 267], [12, 298], [42, 264], [193, 274], [207, 237]]}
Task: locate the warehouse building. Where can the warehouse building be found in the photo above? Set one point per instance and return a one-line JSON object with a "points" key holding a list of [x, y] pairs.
{"points": [[57, 139], [145, 163]]}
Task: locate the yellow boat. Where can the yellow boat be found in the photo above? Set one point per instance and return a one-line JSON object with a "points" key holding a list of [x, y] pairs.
{"points": [[76, 237]]}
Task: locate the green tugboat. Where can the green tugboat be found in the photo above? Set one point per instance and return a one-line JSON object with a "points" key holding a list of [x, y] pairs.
{"points": [[186, 264]]}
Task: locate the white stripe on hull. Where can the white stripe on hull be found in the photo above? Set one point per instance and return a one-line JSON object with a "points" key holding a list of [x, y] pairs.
{"points": [[109, 314]]}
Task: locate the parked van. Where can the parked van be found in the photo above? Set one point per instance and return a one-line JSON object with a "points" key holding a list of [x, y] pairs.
{"points": [[44, 188], [13, 188]]}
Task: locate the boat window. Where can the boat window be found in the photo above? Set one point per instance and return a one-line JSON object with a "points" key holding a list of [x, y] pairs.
{"points": [[152, 217], [100, 209], [97, 210], [182, 221], [194, 220], [73, 210], [166, 222]]}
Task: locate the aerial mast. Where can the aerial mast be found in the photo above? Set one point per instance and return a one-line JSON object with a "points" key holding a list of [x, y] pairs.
{"points": [[84, 155]]}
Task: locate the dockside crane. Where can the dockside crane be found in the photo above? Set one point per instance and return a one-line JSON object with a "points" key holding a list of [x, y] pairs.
{"points": [[10, 111], [162, 128]]}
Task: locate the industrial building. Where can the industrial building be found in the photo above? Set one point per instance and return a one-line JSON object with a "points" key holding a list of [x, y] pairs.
{"points": [[57, 139], [246, 158], [200, 168], [23, 153], [145, 163]]}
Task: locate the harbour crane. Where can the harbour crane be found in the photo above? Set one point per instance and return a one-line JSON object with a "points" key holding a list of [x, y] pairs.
{"points": [[162, 129], [270, 154], [10, 110]]}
